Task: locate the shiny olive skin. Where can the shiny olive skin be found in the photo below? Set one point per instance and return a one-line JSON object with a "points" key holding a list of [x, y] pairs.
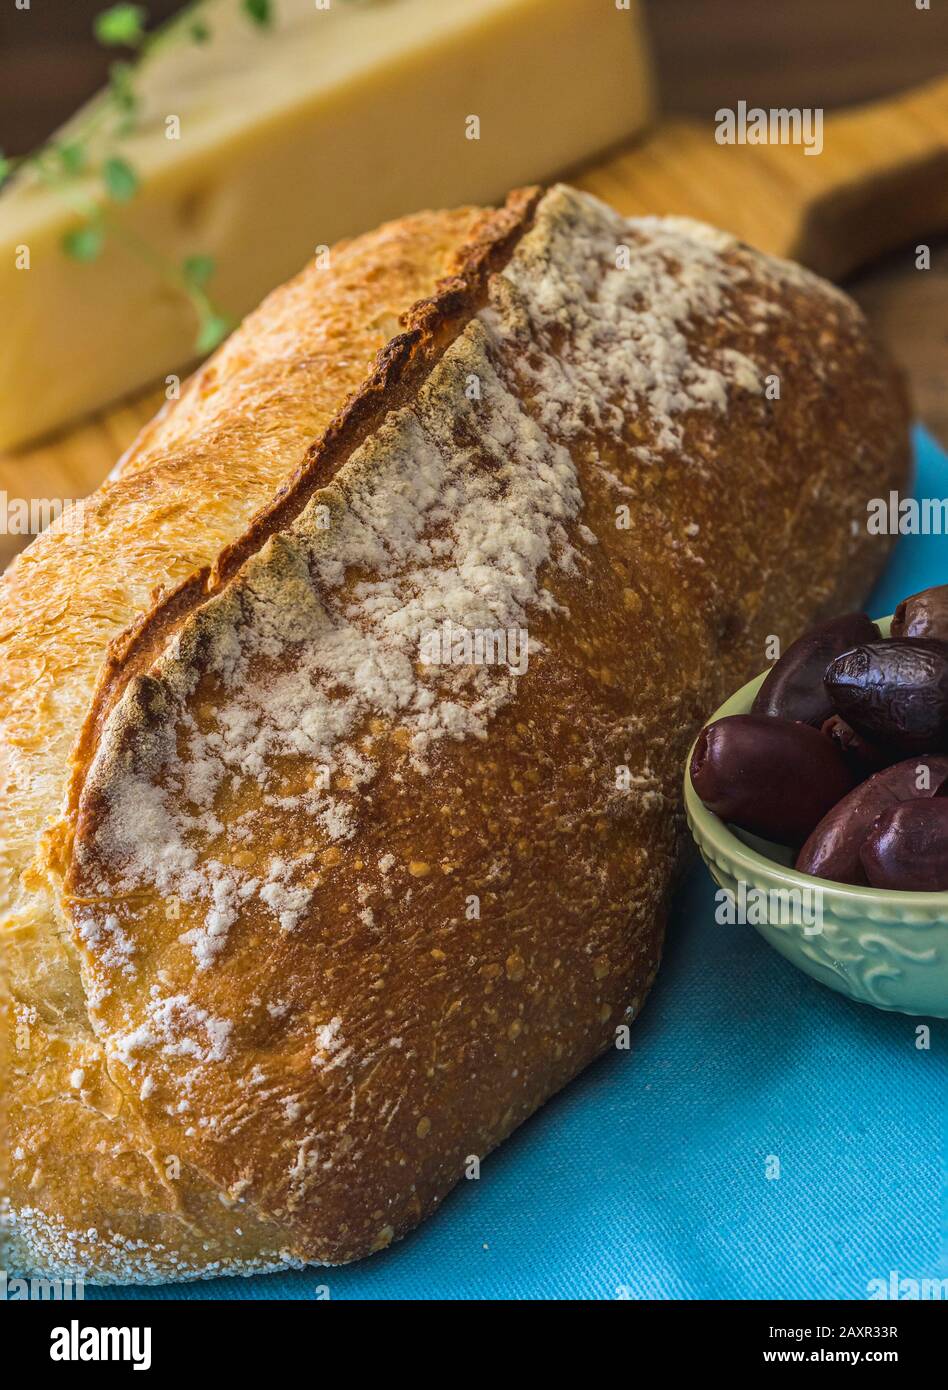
{"points": [[794, 686], [907, 847], [924, 614], [773, 777], [861, 757], [894, 692], [833, 849]]}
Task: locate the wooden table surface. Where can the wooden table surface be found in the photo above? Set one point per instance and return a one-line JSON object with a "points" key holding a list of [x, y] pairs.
{"points": [[829, 53]]}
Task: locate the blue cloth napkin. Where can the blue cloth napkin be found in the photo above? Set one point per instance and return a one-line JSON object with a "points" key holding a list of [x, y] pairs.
{"points": [[648, 1177]]}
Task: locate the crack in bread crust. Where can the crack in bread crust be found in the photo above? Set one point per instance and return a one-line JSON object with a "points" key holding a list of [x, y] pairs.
{"points": [[401, 366]]}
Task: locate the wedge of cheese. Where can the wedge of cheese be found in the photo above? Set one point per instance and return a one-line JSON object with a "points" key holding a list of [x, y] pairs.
{"points": [[260, 146]]}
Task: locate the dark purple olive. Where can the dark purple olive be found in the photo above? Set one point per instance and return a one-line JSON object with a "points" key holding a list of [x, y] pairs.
{"points": [[794, 686], [907, 847], [923, 615], [860, 756], [832, 851], [771, 776], [894, 692]]}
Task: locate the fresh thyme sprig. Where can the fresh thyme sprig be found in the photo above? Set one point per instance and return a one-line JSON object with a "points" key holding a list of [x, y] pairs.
{"points": [[64, 164]]}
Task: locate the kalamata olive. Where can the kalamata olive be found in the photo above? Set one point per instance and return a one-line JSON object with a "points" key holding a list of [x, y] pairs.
{"points": [[794, 686], [771, 776], [894, 692], [923, 615], [907, 847], [832, 851], [861, 757]]}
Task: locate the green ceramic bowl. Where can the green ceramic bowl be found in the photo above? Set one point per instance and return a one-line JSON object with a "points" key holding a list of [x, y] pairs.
{"points": [[877, 946]]}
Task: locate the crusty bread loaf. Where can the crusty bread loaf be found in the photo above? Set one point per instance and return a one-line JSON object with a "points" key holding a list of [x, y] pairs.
{"points": [[333, 894]]}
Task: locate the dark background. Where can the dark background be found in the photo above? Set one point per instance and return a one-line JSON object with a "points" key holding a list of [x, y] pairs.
{"points": [[708, 53]]}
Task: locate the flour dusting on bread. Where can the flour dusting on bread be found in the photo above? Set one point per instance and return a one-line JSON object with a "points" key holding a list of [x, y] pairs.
{"points": [[620, 295], [306, 651]]}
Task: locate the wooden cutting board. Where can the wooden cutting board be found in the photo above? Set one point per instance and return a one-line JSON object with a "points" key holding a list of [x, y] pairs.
{"points": [[881, 182]]}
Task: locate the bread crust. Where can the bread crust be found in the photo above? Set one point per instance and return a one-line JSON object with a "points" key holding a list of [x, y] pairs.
{"points": [[190, 486], [400, 367], [287, 992]]}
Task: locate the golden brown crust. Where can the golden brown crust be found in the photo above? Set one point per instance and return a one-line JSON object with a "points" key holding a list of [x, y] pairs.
{"points": [[285, 982], [401, 365], [188, 488]]}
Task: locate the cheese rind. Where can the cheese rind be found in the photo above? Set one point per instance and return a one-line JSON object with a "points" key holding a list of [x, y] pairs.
{"points": [[289, 140]]}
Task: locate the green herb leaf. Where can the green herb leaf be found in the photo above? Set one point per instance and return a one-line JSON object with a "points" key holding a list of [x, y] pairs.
{"points": [[120, 179], [122, 26], [71, 157], [121, 86], [213, 330], [197, 270], [199, 31], [260, 11], [6, 167], [83, 243]]}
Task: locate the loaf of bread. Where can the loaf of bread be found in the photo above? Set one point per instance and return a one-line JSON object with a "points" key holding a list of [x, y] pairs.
{"points": [[343, 739]]}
